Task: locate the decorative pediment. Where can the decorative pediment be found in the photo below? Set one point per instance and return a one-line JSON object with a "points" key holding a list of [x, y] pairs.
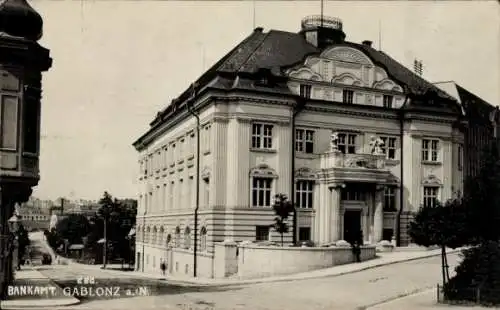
{"points": [[205, 173], [305, 173], [387, 84], [263, 170], [347, 79], [347, 54], [305, 73], [393, 180], [432, 180]]}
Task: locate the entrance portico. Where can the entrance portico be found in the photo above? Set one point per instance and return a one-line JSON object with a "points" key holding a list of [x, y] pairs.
{"points": [[350, 197]]}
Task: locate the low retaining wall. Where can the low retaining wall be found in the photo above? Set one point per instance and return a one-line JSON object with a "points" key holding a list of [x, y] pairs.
{"points": [[262, 261]]}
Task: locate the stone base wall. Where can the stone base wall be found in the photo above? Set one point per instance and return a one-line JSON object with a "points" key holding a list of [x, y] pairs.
{"points": [[253, 261]]}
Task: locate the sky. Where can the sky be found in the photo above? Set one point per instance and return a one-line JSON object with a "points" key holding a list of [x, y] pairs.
{"points": [[117, 63]]}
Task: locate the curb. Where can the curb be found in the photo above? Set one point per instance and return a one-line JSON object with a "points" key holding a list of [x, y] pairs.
{"points": [[17, 305], [404, 295]]}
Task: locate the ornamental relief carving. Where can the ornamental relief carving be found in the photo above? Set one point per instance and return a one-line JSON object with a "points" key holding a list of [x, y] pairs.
{"points": [[341, 66]]}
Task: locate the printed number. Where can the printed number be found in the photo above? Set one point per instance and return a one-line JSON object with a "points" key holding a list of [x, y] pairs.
{"points": [[85, 280]]}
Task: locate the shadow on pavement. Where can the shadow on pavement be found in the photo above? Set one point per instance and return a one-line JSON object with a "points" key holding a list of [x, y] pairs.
{"points": [[115, 288]]}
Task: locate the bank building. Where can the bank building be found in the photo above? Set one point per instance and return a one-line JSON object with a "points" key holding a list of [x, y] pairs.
{"points": [[373, 141]]}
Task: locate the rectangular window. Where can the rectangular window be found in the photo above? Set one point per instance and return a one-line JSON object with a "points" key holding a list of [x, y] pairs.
{"points": [[305, 91], [388, 99], [206, 193], [191, 190], [174, 154], [347, 96], [171, 196], [352, 195], [9, 81], [304, 233], [9, 123], [304, 141], [389, 147], [181, 149], [347, 143], [430, 196], [304, 194], [261, 233], [389, 199], [262, 136], [261, 192], [430, 148]]}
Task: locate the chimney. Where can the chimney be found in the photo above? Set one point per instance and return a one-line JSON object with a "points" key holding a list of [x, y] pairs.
{"points": [[367, 43]]}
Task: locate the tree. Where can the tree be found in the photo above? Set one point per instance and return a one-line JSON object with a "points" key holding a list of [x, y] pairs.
{"points": [[483, 198], [282, 209], [479, 271], [73, 228], [442, 225], [113, 221]]}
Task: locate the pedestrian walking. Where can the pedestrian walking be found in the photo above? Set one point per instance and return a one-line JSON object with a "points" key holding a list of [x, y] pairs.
{"points": [[163, 267]]}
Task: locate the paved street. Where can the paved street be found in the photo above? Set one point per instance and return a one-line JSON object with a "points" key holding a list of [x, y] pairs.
{"points": [[349, 291]]}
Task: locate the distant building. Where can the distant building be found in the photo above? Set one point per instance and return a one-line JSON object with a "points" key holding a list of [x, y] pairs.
{"points": [[373, 143], [34, 214]]}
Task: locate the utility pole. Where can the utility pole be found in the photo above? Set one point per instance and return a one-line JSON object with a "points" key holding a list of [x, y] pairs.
{"points": [[297, 108], [190, 107], [105, 248], [62, 206]]}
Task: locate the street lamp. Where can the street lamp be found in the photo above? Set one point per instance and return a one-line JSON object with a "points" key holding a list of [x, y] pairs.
{"points": [[14, 223], [22, 61]]}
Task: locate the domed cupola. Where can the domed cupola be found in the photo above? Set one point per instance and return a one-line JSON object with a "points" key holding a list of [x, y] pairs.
{"points": [[19, 19]]}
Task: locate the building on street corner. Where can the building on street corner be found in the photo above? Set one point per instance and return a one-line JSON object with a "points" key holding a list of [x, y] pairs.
{"points": [[373, 142]]}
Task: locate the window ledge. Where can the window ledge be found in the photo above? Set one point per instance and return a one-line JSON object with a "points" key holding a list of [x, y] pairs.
{"points": [[260, 150], [428, 162], [305, 209], [190, 157], [206, 152], [180, 161]]}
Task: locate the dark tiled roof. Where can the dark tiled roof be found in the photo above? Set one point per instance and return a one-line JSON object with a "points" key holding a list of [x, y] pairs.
{"points": [[276, 50], [473, 105]]}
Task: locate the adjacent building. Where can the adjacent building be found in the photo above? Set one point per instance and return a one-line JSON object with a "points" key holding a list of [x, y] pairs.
{"points": [[372, 141], [483, 124]]}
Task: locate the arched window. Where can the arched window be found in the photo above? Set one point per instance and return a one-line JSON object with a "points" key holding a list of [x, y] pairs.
{"points": [[177, 237], [139, 233], [155, 235], [148, 235], [203, 239], [187, 238], [169, 238], [162, 233]]}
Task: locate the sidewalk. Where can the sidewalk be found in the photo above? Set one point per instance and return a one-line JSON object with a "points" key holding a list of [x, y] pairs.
{"points": [[420, 301], [42, 292], [382, 259]]}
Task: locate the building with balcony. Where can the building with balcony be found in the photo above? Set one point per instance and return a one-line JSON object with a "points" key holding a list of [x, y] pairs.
{"points": [[373, 142]]}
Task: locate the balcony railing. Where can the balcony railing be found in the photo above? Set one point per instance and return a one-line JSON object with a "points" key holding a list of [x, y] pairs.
{"points": [[336, 159], [314, 21]]}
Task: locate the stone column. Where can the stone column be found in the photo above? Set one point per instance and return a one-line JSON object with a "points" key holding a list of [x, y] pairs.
{"points": [[335, 213], [378, 216]]}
